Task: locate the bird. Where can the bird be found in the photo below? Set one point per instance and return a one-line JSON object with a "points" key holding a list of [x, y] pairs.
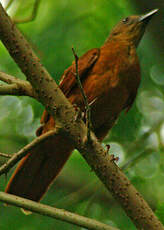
{"points": [[110, 77]]}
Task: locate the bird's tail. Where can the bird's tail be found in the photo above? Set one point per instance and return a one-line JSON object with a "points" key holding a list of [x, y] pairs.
{"points": [[38, 169]]}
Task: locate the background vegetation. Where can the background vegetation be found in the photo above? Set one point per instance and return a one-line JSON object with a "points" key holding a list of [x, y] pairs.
{"points": [[137, 138]]}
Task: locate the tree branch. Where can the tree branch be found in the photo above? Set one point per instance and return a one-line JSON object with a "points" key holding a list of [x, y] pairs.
{"points": [[75, 130], [16, 86], [134, 160], [9, 4], [80, 195], [138, 144], [26, 149], [5, 155], [32, 16], [59, 214]]}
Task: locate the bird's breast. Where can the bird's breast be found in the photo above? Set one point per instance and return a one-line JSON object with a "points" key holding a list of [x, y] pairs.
{"points": [[111, 89], [108, 86]]}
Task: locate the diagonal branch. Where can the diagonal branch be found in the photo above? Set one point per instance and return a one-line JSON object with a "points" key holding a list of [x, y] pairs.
{"points": [[16, 86], [5, 155], [32, 16], [75, 130], [9, 78], [56, 213], [12, 89], [9, 4], [26, 149]]}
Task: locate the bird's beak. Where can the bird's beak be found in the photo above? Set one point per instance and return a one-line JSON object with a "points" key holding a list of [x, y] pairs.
{"points": [[148, 16]]}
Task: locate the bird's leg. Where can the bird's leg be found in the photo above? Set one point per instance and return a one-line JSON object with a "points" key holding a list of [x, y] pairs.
{"points": [[79, 114]]}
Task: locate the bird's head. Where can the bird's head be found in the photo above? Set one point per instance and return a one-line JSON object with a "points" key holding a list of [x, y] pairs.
{"points": [[132, 28]]}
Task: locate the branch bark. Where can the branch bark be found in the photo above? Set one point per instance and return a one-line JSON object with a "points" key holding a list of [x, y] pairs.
{"points": [[59, 107], [5, 155], [26, 149], [59, 214], [16, 86]]}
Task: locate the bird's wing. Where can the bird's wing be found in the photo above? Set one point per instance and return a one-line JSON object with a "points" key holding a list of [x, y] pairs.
{"points": [[39, 168], [85, 64], [68, 80]]}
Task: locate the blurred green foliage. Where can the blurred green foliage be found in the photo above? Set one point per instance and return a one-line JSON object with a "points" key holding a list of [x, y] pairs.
{"points": [[160, 212], [59, 25]]}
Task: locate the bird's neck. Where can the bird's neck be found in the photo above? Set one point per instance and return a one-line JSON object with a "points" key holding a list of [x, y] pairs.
{"points": [[121, 41], [120, 49]]}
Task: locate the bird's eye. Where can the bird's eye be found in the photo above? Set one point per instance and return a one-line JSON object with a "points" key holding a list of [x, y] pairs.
{"points": [[125, 20]]}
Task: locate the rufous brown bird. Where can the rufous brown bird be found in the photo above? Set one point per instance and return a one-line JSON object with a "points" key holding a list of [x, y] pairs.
{"points": [[110, 77]]}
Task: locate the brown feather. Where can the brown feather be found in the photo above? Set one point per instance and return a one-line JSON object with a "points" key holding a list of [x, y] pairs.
{"points": [[110, 77]]}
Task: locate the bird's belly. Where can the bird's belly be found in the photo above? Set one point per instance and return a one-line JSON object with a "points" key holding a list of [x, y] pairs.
{"points": [[107, 108], [107, 99]]}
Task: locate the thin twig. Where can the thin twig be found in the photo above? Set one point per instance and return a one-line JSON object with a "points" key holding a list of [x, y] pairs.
{"points": [[139, 143], [10, 90], [26, 149], [16, 86], [59, 214], [9, 4], [78, 196], [6, 155], [9, 78], [134, 160], [32, 16], [88, 111], [91, 201]]}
